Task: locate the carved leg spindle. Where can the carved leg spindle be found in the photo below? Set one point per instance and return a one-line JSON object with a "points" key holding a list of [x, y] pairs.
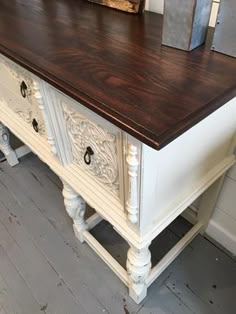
{"points": [[133, 168], [41, 102], [5, 146], [138, 268], [75, 207]]}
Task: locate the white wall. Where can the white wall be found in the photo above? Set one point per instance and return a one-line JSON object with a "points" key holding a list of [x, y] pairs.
{"points": [[155, 5], [222, 226]]}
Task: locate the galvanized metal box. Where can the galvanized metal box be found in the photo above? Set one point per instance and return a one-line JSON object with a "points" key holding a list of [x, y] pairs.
{"points": [[224, 39], [185, 23]]}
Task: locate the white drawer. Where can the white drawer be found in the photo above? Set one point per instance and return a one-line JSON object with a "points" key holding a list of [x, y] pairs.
{"points": [[21, 93], [25, 115], [18, 90], [92, 146], [28, 113]]}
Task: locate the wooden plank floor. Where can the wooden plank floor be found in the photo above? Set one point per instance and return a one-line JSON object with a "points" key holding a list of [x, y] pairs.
{"points": [[43, 269]]}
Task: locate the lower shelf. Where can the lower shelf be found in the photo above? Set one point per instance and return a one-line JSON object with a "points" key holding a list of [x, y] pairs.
{"points": [[120, 271]]}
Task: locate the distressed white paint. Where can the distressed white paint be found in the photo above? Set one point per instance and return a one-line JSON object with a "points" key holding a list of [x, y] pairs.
{"points": [[150, 194], [39, 98], [132, 205], [75, 207], [138, 267]]}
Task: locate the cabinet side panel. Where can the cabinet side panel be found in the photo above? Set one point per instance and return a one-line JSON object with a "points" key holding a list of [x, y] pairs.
{"points": [[181, 169]]}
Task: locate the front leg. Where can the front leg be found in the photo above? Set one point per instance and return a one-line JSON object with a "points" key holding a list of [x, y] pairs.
{"points": [[6, 147], [138, 268], [75, 207]]}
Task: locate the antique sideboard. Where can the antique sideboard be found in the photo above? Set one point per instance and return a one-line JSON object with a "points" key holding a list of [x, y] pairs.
{"points": [[136, 130]]}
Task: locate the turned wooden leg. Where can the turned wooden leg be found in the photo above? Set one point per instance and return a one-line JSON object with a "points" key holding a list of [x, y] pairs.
{"points": [[75, 207], [5, 146], [138, 268]]}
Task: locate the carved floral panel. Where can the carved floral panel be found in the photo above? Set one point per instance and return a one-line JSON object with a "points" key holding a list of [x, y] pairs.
{"points": [[84, 133]]}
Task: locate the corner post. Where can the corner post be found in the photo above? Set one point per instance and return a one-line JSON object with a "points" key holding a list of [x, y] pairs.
{"points": [[208, 202], [6, 147], [138, 268]]}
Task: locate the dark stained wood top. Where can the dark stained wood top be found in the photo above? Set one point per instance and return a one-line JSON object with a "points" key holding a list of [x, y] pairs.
{"points": [[113, 63]]}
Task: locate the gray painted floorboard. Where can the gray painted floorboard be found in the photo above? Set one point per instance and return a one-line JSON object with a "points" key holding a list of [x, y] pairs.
{"points": [[43, 268]]}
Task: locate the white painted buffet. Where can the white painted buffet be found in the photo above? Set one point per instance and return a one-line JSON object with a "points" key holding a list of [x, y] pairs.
{"points": [[137, 189]]}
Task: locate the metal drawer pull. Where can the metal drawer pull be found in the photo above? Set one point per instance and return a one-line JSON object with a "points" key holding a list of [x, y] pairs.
{"points": [[87, 156], [23, 89], [35, 125]]}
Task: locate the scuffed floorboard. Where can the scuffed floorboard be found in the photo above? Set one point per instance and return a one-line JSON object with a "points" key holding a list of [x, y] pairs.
{"points": [[43, 269]]}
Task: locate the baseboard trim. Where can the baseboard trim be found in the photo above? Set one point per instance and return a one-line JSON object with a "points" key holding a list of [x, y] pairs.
{"points": [[215, 233], [221, 237]]}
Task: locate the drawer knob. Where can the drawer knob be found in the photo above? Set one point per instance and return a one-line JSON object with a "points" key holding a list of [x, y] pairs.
{"points": [[35, 125], [23, 89], [87, 156]]}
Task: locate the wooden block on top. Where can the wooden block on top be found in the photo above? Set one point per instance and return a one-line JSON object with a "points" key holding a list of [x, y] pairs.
{"points": [[131, 6]]}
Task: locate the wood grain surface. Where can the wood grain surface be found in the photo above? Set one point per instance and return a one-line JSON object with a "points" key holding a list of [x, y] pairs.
{"points": [[113, 63]]}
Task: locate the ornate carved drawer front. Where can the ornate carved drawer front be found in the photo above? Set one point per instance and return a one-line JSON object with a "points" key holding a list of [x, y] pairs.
{"points": [[95, 146], [23, 94]]}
